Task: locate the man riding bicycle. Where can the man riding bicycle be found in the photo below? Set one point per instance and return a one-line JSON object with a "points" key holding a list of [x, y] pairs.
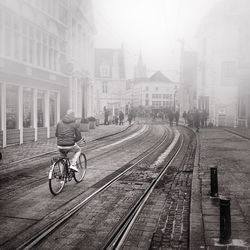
{"points": [[68, 135]]}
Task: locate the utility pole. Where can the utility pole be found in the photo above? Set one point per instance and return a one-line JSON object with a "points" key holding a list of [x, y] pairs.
{"points": [[181, 76]]}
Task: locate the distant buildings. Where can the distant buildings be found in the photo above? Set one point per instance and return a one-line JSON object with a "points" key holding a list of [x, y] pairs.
{"points": [[110, 80], [46, 66], [155, 92], [224, 64], [188, 84]]}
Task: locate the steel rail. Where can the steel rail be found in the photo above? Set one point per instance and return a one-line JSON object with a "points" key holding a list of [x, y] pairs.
{"points": [[56, 150], [50, 227], [236, 133], [117, 238]]}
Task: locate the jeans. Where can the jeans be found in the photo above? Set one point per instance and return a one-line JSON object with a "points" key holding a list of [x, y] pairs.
{"points": [[75, 149]]}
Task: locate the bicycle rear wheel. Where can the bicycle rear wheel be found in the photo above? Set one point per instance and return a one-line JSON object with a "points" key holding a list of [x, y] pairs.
{"points": [[57, 177], [82, 167]]}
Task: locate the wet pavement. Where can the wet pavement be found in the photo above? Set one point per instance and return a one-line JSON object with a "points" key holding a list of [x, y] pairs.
{"points": [[231, 154]]}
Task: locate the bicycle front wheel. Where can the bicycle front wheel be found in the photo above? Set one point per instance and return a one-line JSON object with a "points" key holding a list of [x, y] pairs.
{"points": [[82, 167], [57, 177]]}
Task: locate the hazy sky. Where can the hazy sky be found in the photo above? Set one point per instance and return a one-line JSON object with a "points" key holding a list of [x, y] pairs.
{"points": [[150, 26]]}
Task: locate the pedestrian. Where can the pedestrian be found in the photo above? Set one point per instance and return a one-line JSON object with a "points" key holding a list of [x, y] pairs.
{"points": [[116, 119], [197, 120], [184, 115], [205, 117], [176, 116], [68, 135], [130, 116], [171, 117], [121, 118], [106, 116]]}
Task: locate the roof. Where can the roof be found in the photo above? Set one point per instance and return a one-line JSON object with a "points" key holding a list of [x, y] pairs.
{"points": [[158, 76]]}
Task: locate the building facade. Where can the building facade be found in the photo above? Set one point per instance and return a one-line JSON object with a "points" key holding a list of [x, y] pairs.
{"points": [[188, 85], [156, 92], [110, 80], [223, 72], [37, 74]]}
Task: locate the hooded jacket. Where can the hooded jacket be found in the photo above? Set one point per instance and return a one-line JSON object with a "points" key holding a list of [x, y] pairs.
{"points": [[67, 132]]}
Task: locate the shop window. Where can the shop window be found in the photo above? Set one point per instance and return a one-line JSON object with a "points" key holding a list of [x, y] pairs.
{"points": [[40, 109], [53, 109], [11, 107], [27, 107]]}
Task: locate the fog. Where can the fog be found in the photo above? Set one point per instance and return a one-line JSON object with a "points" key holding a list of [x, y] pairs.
{"points": [[152, 27]]}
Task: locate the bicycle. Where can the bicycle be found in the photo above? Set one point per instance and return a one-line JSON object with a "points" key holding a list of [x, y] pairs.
{"points": [[60, 173]]}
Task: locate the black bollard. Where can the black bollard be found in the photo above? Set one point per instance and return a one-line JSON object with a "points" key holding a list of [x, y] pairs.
{"points": [[214, 182], [225, 220]]}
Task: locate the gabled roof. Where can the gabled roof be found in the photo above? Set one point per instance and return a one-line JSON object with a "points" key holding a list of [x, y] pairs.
{"points": [[158, 76]]}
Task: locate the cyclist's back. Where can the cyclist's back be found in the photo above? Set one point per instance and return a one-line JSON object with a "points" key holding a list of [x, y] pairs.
{"points": [[68, 134]]}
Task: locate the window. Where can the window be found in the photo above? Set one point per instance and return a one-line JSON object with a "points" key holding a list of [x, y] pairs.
{"points": [[228, 69], [147, 102], [11, 107], [62, 13], [17, 39], [104, 87], [1, 32], [104, 70], [25, 42], [156, 88], [40, 109], [31, 44], [38, 47], [53, 109], [27, 107], [45, 49], [8, 35], [146, 95], [146, 88]]}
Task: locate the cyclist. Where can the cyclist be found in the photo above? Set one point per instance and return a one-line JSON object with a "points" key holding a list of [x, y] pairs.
{"points": [[68, 135]]}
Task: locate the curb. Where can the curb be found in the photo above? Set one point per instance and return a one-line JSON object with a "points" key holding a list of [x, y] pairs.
{"points": [[196, 230]]}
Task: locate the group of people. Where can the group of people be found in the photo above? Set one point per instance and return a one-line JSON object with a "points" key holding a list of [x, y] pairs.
{"points": [[196, 118], [117, 119]]}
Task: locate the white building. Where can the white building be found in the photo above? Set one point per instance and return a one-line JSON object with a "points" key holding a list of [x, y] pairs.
{"points": [[155, 92], [110, 80], [41, 42], [223, 53]]}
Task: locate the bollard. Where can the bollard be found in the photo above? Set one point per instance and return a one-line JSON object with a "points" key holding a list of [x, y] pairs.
{"points": [[225, 220], [213, 182]]}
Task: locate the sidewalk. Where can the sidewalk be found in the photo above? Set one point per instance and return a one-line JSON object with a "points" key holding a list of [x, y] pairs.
{"points": [[231, 155], [29, 150]]}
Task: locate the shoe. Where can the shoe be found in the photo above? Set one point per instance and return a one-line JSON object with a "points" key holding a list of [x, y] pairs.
{"points": [[74, 168]]}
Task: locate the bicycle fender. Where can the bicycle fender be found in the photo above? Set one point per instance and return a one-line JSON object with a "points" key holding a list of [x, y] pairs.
{"points": [[50, 172]]}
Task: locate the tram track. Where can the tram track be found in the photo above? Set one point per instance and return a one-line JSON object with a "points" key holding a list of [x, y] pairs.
{"points": [[237, 133], [29, 174], [104, 187], [42, 180]]}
